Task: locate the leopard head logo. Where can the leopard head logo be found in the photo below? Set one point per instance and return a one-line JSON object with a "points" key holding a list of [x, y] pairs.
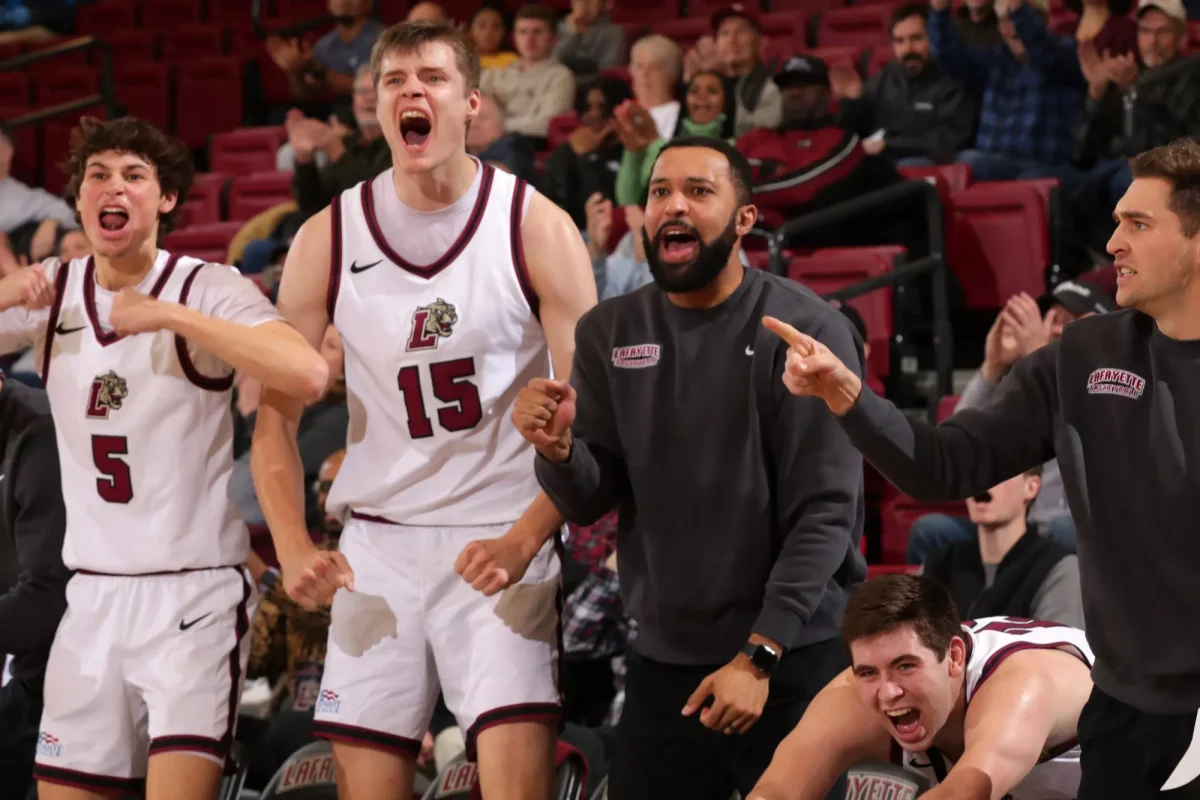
{"points": [[108, 392], [431, 323]]}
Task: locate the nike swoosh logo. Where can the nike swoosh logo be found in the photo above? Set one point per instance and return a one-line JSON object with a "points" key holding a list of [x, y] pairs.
{"points": [[183, 626], [64, 331], [355, 268], [749, 351]]}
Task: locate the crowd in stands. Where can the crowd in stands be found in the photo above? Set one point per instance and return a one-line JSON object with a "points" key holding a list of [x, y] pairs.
{"points": [[580, 106]]}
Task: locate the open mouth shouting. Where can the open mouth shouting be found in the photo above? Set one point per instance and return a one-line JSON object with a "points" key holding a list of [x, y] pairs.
{"points": [[678, 244], [113, 219], [415, 127], [906, 724]]}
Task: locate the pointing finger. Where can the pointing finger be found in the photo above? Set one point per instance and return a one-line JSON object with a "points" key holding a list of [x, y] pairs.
{"points": [[802, 342]]}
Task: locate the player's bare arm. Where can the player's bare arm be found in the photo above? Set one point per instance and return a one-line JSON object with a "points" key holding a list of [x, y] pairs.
{"points": [[561, 273], [272, 353], [1029, 705], [836, 733], [310, 576], [28, 287]]}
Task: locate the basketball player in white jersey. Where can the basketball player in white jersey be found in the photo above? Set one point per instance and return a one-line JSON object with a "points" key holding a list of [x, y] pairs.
{"points": [[452, 284], [984, 710], [136, 348]]}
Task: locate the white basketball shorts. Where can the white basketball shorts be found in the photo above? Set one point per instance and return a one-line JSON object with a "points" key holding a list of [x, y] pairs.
{"points": [[142, 665], [412, 626]]}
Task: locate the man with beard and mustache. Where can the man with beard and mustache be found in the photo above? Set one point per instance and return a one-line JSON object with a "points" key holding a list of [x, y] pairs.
{"points": [[740, 511], [912, 111]]}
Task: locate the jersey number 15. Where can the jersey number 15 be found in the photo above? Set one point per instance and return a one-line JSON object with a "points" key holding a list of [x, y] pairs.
{"points": [[452, 386]]}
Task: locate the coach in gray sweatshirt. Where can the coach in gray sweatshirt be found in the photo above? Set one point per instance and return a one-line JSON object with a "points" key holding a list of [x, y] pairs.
{"points": [[741, 507]]}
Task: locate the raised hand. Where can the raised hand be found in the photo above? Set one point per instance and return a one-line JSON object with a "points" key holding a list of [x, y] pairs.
{"points": [[543, 413], [814, 371]]}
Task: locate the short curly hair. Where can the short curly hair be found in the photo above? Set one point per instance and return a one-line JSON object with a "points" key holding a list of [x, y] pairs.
{"points": [[1177, 163], [171, 159]]}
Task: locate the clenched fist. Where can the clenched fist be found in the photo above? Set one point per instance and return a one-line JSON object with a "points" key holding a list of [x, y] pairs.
{"points": [[543, 414], [492, 565], [311, 576], [28, 287]]}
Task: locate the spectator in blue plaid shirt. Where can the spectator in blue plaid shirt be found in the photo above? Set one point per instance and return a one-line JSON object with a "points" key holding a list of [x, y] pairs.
{"points": [[1033, 92]]}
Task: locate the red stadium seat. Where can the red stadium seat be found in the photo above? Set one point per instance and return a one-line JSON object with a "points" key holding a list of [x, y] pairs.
{"points": [[213, 91], [232, 13], [946, 406], [164, 15], [14, 89], [192, 41], [208, 242], [75, 58], [26, 146], [875, 570], [561, 127], [861, 26], [849, 56], [706, 8], [807, 6], [246, 150], [203, 204], [144, 90], [834, 268], [65, 84], [786, 33], [644, 12], [897, 514], [296, 10], [106, 18], [878, 58], [956, 176], [56, 141], [252, 194], [999, 244], [132, 46], [685, 32]]}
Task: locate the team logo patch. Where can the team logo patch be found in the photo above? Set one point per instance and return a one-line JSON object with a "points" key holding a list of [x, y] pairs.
{"points": [[459, 779], [48, 746], [107, 393], [868, 785], [431, 323], [637, 356], [328, 702], [308, 771], [1116, 381]]}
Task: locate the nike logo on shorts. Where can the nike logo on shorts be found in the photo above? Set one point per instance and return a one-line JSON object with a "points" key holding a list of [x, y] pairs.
{"points": [[184, 625], [355, 268]]}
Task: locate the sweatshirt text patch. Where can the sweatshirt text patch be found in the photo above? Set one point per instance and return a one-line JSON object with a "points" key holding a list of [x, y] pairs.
{"points": [[1116, 381]]}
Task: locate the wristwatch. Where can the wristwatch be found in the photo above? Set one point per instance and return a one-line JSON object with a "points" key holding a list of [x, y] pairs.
{"points": [[762, 656]]}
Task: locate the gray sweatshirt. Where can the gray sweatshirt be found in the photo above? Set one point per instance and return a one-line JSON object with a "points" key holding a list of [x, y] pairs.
{"points": [[741, 506]]}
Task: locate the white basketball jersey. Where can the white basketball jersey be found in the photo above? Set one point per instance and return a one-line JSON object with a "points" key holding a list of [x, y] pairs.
{"points": [[435, 356], [145, 441], [989, 642]]}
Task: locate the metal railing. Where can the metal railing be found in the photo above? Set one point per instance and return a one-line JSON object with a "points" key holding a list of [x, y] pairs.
{"points": [[105, 97], [933, 264]]}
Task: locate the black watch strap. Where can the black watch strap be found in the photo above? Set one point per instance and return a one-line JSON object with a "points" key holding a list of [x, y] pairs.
{"points": [[763, 657]]}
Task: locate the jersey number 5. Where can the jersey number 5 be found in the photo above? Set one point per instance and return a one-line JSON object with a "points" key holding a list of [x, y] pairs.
{"points": [[116, 485], [450, 385]]}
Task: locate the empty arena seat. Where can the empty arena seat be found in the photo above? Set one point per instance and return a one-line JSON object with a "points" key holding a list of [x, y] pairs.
{"points": [[132, 46], [251, 194], [203, 203], [946, 406], [861, 26], [956, 176], [56, 141], [144, 91], [706, 8], [213, 91], [834, 268], [192, 41], [207, 242], [807, 6], [843, 55], [231, 13], [646, 12], [106, 17], [898, 512], [14, 89], [295, 10], [999, 242], [162, 15], [246, 150], [786, 32], [64, 84], [685, 32]]}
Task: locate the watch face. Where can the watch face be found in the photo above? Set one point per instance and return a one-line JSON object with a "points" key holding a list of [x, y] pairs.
{"points": [[764, 658]]}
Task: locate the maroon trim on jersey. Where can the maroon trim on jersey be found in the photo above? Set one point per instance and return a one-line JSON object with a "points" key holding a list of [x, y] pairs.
{"points": [[89, 297], [518, 249], [186, 744], [241, 626], [60, 288], [507, 715], [464, 237], [371, 518], [219, 384], [353, 734], [104, 784], [335, 256], [150, 574]]}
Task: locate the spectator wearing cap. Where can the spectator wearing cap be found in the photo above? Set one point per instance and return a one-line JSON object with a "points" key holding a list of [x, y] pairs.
{"points": [[588, 40], [753, 100], [1023, 326], [1032, 86], [1131, 109], [809, 162], [912, 112]]}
